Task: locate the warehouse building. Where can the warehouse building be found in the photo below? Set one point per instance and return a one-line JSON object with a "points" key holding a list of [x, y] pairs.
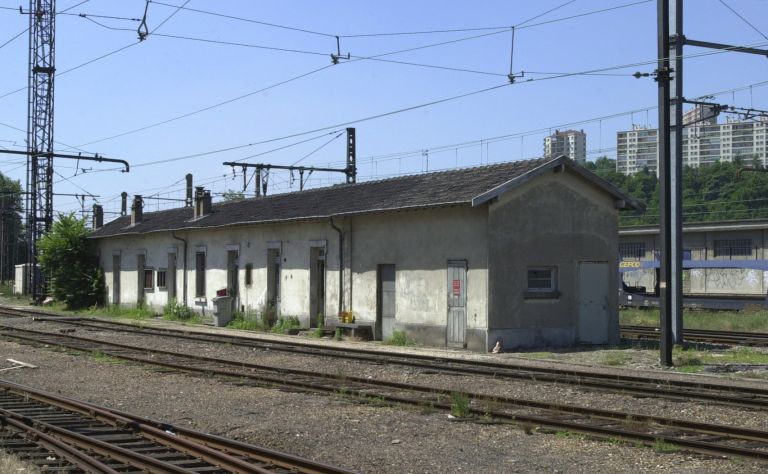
{"points": [[725, 258], [524, 252]]}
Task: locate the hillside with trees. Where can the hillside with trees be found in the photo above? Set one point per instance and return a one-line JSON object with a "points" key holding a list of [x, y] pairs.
{"points": [[710, 193]]}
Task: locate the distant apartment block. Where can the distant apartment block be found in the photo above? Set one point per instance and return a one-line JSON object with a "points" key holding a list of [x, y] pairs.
{"points": [[704, 142], [571, 143]]}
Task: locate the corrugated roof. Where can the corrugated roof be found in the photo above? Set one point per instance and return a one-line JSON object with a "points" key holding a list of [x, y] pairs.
{"points": [[455, 187]]}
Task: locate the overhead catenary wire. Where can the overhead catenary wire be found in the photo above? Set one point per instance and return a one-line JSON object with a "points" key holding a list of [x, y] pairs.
{"points": [[743, 19]]}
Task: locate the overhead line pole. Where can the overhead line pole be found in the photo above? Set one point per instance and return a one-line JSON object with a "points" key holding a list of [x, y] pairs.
{"points": [[665, 184], [669, 76], [675, 53]]}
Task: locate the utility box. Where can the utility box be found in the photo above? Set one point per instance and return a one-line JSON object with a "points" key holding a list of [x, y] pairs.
{"points": [[222, 310]]}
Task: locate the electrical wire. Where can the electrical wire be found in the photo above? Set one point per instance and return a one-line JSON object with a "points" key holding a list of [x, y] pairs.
{"points": [[231, 17], [103, 56], [545, 13], [743, 19], [27, 29], [210, 107], [317, 149]]}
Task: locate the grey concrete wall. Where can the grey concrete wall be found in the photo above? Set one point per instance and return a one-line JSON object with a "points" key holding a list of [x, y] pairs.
{"points": [[420, 244], [556, 220]]}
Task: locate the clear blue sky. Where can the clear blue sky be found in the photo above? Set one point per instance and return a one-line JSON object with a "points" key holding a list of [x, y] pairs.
{"points": [[162, 78]]}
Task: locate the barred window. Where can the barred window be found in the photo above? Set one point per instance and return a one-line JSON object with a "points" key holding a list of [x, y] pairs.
{"points": [[248, 274], [733, 248], [161, 277], [632, 250]]}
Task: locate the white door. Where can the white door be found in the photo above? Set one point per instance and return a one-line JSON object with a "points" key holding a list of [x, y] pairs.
{"points": [[593, 302]]}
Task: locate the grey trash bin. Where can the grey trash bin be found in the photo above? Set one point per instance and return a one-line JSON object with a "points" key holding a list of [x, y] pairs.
{"points": [[222, 312]]}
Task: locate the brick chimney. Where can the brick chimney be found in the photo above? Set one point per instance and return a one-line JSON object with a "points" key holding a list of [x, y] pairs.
{"points": [[137, 210], [98, 216]]}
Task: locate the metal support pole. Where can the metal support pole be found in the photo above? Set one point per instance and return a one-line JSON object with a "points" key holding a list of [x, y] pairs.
{"points": [[676, 169], [665, 184]]}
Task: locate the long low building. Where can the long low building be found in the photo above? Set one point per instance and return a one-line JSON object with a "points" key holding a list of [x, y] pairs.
{"points": [[522, 252], [719, 258]]}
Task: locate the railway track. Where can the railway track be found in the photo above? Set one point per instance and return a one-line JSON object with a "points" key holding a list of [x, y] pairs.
{"points": [[700, 335], [66, 435], [644, 386], [637, 428]]}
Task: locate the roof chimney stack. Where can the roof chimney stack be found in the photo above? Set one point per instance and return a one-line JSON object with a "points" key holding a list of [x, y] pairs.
{"points": [[98, 216], [188, 203], [137, 209], [124, 203], [202, 202]]}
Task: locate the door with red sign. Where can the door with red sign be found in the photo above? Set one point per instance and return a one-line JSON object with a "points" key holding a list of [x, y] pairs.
{"points": [[457, 303]]}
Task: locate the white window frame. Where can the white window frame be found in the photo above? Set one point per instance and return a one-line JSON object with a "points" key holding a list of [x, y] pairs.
{"points": [[552, 279]]}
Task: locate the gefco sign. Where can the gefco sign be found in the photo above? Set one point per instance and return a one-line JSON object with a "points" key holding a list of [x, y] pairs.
{"points": [[629, 264]]}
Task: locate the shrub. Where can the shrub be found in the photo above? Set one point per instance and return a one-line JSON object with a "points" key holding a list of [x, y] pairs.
{"points": [[174, 311], [285, 324], [249, 320], [68, 258]]}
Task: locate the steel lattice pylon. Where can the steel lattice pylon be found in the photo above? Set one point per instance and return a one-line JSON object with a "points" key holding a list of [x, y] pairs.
{"points": [[42, 16]]}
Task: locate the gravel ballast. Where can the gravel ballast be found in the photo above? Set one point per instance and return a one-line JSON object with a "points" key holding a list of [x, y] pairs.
{"points": [[368, 438]]}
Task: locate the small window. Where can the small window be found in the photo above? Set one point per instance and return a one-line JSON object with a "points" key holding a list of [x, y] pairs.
{"points": [[542, 279], [632, 250], [200, 274], [149, 278], [161, 278], [248, 274], [733, 248]]}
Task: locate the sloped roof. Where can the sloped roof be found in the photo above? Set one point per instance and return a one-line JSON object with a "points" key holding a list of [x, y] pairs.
{"points": [[468, 186]]}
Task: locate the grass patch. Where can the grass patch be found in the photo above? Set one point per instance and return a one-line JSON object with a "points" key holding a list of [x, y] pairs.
{"points": [[285, 324], [399, 338], [103, 358], [570, 435], [460, 405], [174, 311], [661, 446], [615, 358], [116, 311], [250, 321], [747, 320]]}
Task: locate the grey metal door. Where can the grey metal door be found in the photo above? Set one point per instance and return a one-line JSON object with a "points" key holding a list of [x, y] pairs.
{"points": [[116, 279], [386, 300], [593, 302], [170, 277], [273, 281], [457, 303], [233, 282], [316, 284], [141, 263]]}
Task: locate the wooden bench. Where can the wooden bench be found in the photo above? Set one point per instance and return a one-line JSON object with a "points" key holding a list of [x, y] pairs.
{"points": [[363, 331]]}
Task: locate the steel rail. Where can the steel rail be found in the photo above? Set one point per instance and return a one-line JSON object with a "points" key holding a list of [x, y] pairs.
{"points": [[703, 335], [225, 445], [73, 456], [692, 435], [645, 386]]}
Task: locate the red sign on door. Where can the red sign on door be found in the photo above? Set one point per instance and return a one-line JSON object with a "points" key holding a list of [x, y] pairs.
{"points": [[456, 287]]}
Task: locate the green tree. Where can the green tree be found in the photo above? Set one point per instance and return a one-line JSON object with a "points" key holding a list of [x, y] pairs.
{"points": [[232, 195], [12, 249], [68, 258]]}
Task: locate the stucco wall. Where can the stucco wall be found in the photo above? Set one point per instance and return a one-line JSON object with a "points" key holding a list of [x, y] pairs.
{"points": [[420, 244], [556, 220]]}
